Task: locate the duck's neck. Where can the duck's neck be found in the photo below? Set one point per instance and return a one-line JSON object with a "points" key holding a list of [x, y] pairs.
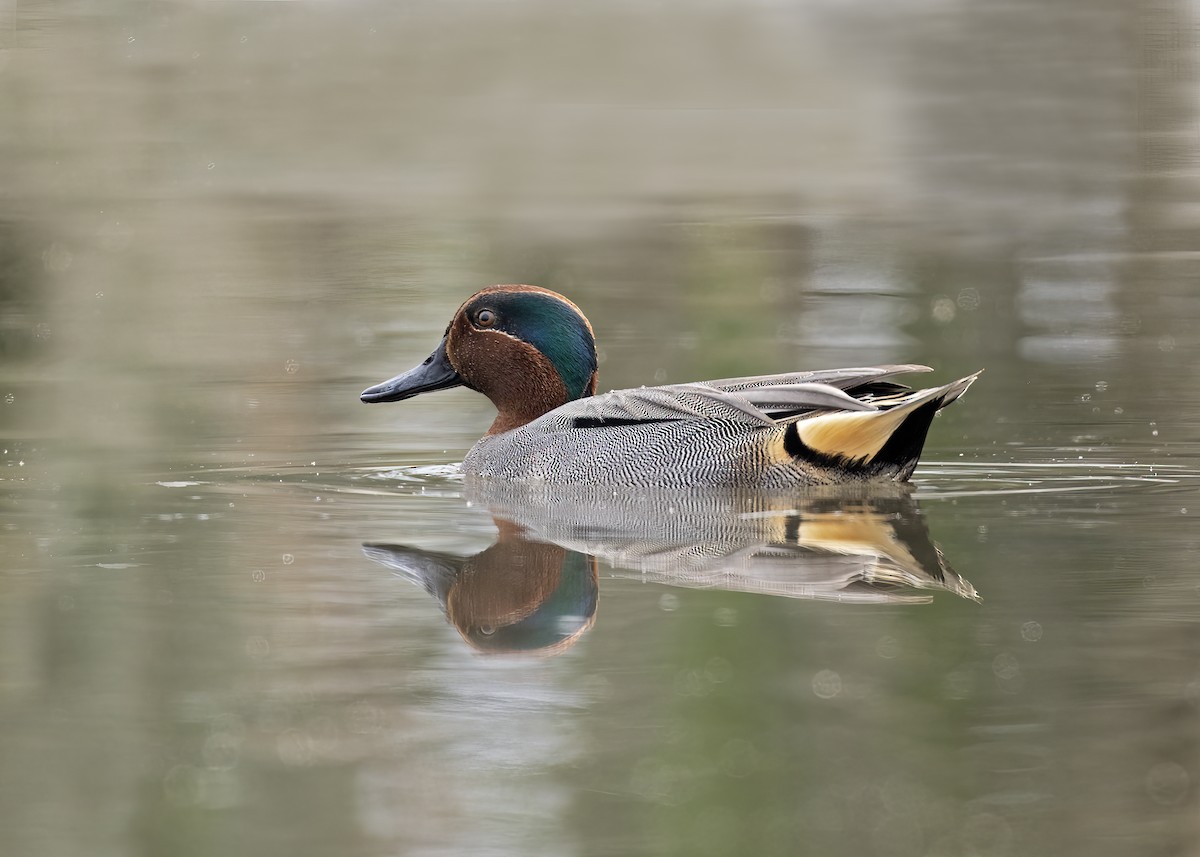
{"points": [[513, 414], [520, 380]]}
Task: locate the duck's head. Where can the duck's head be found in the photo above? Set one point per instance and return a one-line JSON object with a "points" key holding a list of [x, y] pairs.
{"points": [[527, 349]]}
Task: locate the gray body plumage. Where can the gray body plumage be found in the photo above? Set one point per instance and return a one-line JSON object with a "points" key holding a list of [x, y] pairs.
{"points": [[727, 432]]}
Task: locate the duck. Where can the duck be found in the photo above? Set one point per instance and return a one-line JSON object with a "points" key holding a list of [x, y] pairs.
{"points": [[532, 352]]}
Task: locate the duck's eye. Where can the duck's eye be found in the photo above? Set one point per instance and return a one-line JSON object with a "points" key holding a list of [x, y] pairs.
{"points": [[485, 318]]}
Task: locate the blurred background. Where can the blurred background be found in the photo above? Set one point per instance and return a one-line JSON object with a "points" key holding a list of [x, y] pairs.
{"points": [[219, 221]]}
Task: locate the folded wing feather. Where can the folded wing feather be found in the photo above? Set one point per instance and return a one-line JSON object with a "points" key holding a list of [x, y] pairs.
{"points": [[752, 405]]}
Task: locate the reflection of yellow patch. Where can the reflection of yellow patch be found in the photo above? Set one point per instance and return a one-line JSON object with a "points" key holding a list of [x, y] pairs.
{"points": [[859, 533]]}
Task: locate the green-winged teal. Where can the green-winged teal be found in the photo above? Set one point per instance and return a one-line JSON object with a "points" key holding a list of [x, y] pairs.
{"points": [[532, 352]]}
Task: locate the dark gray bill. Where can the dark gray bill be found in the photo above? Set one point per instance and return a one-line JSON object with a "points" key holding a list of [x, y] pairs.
{"points": [[435, 373]]}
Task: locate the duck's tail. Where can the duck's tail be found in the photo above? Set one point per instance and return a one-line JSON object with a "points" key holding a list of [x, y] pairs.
{"points": [[880, 444]]}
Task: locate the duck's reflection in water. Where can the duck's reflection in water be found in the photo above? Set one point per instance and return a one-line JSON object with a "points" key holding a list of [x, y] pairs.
{"points": [[536, 588], [519, 595]]}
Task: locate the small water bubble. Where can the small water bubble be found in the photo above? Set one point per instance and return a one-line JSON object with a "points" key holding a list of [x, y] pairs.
{"points": [[968, 300], [258, 575], [1006, 667], [9, 398], [827, 684], [221, 751], [1118, 411], [294, 748], [41, 330], [887, 648], [1101, 386], [718, 670], [692, 683], [1086, 397], [726, 617], [739, 758], [130, 39], [957, 684], [668, 603], [943, 310], [1031, 632], [288, 559], [660, 375], [291, 367], [258, 648], [1167, 783], [365, 718], [1166, 343], [244, 40], [211, 165], [1154, 433]]}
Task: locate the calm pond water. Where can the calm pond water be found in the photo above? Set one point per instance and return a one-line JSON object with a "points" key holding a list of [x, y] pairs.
{"points": [[241, 613]]}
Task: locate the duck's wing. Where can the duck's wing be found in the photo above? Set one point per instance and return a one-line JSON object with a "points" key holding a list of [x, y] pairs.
{"points": [[757, 406], [773, 394], [843, 379], [755, 400]]}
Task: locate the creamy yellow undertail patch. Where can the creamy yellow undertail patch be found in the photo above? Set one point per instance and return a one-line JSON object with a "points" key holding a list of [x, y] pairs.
{"points": [[856, 436]]}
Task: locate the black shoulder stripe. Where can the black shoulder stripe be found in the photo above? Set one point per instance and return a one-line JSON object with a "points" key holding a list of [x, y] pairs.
{"points": [[610, 422]]}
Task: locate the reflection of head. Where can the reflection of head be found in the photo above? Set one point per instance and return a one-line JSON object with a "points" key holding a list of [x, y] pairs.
{"points": [[523, 596]]}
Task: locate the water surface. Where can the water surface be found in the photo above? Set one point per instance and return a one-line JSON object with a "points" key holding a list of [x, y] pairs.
{"points": [[230, 589]]}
